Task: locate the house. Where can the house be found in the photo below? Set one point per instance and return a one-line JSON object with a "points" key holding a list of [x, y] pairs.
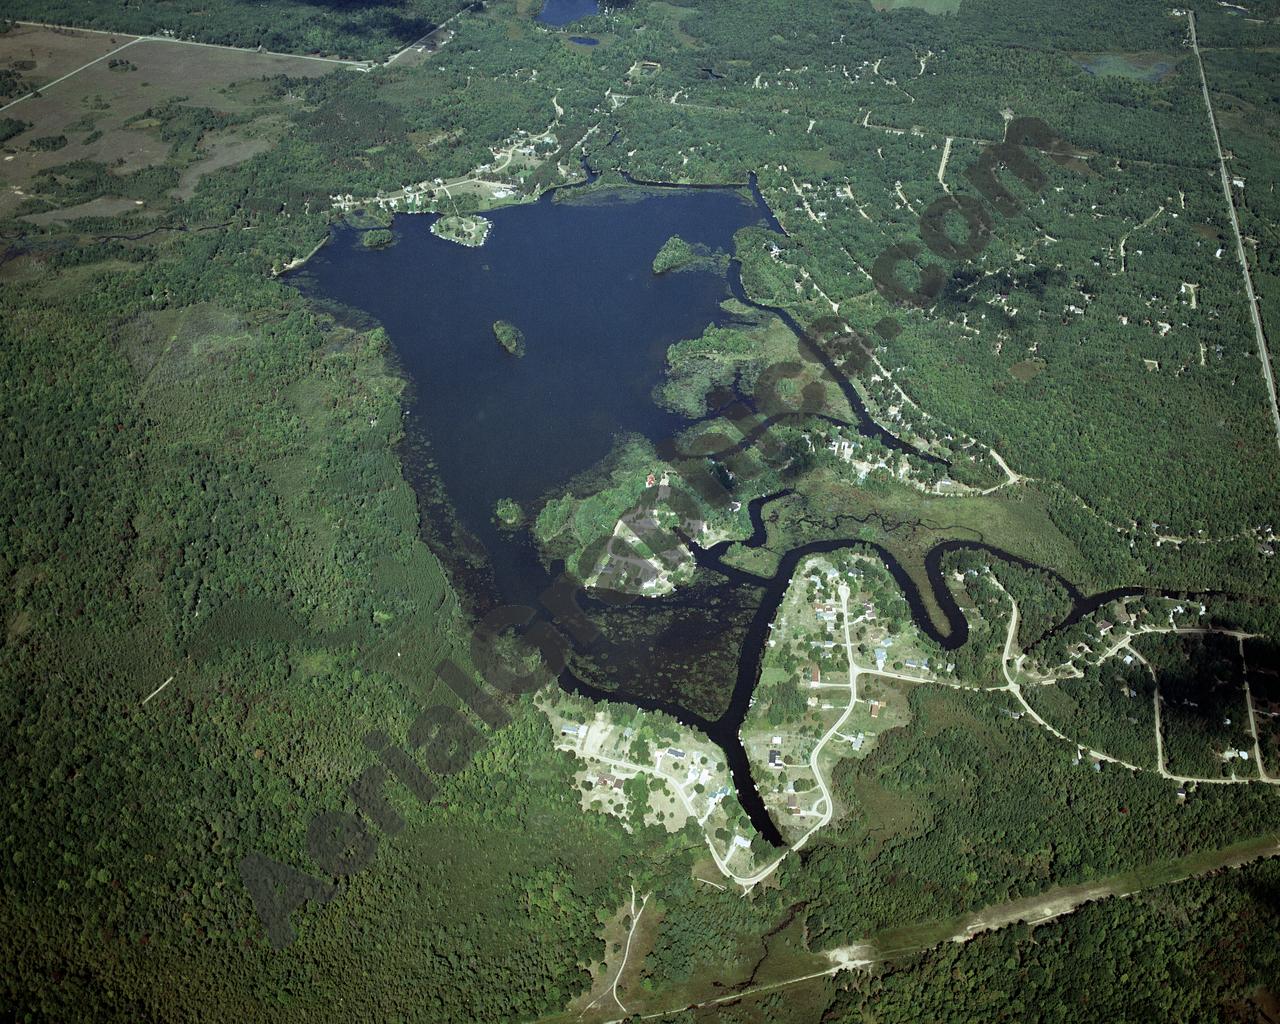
{"points": [[875, 708], [815, 675], [775, 759], [881, 653], [776, 741], [857, 741], [742, 841], [793, 803], [572, 730], [674, 752], [1104, 627]]}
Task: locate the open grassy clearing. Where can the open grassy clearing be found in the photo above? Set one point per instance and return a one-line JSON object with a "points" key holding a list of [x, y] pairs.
{"points": [[41, 55], [103, 206], [1142, 67], [101, 110]]}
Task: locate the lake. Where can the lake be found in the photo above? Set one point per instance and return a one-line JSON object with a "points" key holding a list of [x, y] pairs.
{"points": [[576, 278], [562, 12]]}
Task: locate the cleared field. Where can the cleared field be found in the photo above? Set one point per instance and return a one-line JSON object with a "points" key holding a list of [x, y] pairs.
{"points": [[1144, 67], [96, 114], [42, 55], [224, 150], [103, 206]]}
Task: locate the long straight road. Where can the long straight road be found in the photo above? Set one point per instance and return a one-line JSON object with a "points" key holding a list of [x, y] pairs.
{"points": [[1263, 352]]}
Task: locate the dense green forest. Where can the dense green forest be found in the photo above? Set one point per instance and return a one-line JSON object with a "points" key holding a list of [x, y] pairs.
{"points": [[1195, 951], [219, 612]]}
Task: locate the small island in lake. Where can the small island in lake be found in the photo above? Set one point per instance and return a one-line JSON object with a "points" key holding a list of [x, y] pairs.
{"points": [[509, 337], [468, 230], [508, 513], [677, 254], [377, 238]]}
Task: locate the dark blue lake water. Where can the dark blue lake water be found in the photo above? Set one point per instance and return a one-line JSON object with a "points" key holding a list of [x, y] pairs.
{"points": [[577, 279], [561, 12]]}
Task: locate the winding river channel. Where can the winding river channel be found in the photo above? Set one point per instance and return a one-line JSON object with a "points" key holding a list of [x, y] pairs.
{"points": [[573, 272]]}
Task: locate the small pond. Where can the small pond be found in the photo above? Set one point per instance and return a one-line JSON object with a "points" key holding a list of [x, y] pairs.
{"points": [[562, 12]]}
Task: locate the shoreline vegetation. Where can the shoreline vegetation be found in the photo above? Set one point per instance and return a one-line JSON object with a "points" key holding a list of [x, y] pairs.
{"points": [[299, 261], [676, 254], [508, 513], [510, 337], [378, 238]]}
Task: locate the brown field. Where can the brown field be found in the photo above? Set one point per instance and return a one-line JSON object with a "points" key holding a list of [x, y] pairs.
{"points": [[97, 100], [224, 149], [1027, 369], [42, 55], [103, 206]]}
